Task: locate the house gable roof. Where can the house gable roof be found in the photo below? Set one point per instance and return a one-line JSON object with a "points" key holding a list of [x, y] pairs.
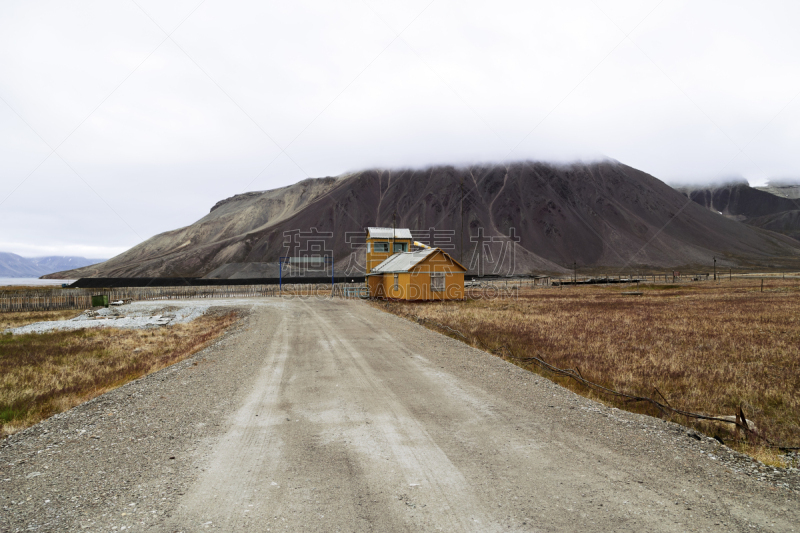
{"points": [[405, 261]]}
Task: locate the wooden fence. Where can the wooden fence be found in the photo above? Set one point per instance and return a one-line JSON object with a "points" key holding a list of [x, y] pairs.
{"points": [[55, 299], [59, 298], [41, 301], [350, 290]]}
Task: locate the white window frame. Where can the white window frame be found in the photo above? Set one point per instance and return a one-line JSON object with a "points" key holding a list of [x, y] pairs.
{"points": [[440, 286], [381, 245]]}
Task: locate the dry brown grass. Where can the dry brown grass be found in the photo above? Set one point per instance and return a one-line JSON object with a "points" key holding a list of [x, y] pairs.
{"points": [[15, 320], [26, 288], [44, 374], [708, 347]]}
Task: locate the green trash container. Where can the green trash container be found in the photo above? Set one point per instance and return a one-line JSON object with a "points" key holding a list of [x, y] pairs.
{"points": [[100, 300]]}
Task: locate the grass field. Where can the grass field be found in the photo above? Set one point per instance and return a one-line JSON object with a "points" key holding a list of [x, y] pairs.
{"points": [[15, 320], [707, 347], [44, 374], [26, 288]]}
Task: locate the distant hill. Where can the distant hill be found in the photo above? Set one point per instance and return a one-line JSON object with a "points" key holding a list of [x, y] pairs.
{"points": [[786, 222], [775, 207], [739, 200], [785, 188], [15, 266], [600, 215]]}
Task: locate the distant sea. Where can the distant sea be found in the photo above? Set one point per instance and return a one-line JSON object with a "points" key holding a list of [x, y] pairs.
{"points": [[34, 281]]}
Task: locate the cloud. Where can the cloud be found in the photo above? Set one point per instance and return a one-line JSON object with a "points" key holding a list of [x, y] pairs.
{"points": [[251, 96], [784, 182], [720, 181], [57, 248]]}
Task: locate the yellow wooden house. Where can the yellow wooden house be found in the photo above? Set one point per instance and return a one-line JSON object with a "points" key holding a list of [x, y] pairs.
{"points": [[410, 274]]}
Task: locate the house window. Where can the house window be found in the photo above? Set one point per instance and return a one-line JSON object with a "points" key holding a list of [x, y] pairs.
{"points": [[400, 247], [397, 282], [380, 247], [437, 282]]}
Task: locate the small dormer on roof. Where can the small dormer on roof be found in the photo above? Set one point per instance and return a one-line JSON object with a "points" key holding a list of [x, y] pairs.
{"points": [[384, 242]]}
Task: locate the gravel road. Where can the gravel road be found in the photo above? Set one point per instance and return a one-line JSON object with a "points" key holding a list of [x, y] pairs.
{"points": [[334, 416]]}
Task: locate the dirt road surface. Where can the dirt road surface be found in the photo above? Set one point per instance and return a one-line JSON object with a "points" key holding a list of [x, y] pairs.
{"points": [[319, 415]]}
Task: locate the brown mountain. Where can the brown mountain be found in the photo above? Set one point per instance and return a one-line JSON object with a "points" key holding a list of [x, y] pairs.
{"points": [[600, 215], [786, 222]]}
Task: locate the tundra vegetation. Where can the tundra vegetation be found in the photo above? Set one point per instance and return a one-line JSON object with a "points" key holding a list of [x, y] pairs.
{"points": [[707, 347], [15, 320], [44, 374]]}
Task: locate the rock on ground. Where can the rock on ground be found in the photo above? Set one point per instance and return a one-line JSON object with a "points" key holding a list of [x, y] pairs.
{"points": [[138, 315]]}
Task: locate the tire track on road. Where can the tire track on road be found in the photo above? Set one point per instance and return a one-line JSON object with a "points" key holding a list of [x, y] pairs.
{"points": [[413, 449], [250, 446]]}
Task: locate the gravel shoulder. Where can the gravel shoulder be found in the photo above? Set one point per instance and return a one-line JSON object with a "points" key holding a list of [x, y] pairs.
{"points": [[323, 415], [138, 315]]}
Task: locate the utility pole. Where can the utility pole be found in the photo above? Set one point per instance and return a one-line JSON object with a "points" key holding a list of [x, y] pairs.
{"points": [[715, 269], [394, 232], [461, 260], [574, 272]]}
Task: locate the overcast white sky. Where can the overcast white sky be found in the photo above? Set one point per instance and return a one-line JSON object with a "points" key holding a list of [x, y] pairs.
{"points": [[121, 119]]}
